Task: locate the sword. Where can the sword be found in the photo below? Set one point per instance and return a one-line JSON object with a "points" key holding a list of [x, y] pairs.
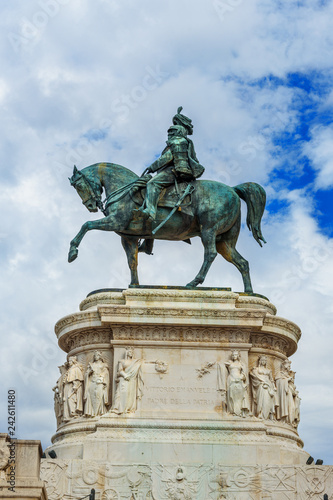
{"points": [[189, 190]]}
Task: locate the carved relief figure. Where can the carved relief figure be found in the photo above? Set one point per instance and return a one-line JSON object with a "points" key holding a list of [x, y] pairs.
{"points": [[4, 456], [237, 383], [283, 391], [97, 382], [295, 401], [73, 390], [289, 401], [59, 395], [179, 488], [263, 390], [129, 384]]}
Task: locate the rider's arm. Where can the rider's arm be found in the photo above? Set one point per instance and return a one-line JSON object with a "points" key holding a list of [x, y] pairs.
{"points": [[192, 152], [163, 160]]}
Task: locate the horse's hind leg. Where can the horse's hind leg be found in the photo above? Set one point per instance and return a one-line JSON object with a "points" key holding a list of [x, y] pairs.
{"points": [[225, 245], [208, 238], [130, 245]]}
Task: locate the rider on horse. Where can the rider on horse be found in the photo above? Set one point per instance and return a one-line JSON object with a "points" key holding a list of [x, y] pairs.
{"points": [[178, 162]]}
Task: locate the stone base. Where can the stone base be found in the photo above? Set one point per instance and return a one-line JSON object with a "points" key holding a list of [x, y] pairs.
{"points": [[236, 441], [168, 430], [70, 479]]}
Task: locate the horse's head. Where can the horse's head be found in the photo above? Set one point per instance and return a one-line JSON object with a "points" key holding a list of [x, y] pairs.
{"points": [[89, 192]]}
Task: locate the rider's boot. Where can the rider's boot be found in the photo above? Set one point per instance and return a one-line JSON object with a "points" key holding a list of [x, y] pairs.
{"points": [[146, 247], [151, 199]]}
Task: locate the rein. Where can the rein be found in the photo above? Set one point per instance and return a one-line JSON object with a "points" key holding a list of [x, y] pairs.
{"points": [[116, 195]]}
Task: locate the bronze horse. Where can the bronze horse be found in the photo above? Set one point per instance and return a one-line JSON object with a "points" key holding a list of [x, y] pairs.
{"points": [[215, 217]]}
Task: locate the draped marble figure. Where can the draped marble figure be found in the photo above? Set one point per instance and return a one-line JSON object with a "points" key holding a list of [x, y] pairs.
{"points": [[73, 390], [129, 384], [235, 385], [97, 383], [294, 402], [58, 390], [263, 390], [284, 392]]}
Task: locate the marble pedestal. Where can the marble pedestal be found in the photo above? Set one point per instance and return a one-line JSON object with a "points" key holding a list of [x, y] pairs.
{"points": [[20, 469], [167, 430]]}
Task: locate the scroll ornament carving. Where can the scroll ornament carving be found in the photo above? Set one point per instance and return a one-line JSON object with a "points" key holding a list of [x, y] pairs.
{"points": [[205, 368]]}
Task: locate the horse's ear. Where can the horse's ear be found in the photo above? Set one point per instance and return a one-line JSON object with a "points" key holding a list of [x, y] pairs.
{"points": [[75, 170]]}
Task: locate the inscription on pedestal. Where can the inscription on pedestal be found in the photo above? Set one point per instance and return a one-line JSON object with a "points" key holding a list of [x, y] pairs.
{"points": [[181, 390]]}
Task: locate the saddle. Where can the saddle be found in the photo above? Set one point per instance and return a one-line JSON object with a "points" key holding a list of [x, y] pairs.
{"points": [[169, 197]]}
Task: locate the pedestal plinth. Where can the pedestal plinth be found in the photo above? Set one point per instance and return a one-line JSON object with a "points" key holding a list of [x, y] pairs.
{"points": [[176, 390]]}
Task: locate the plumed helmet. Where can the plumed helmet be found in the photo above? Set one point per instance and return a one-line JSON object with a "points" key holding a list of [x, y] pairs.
{"points": [[182, 120], [178, 130]]}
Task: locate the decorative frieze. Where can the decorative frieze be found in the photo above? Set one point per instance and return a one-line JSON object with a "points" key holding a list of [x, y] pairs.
{"points": [[271, 342], [161, 333], [164, 480], [85, 337]]}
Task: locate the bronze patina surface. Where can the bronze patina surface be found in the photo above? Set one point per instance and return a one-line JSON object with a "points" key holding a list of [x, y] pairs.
{"points": [[172, 205]]}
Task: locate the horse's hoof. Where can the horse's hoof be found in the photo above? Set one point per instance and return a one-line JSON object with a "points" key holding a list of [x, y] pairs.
{"points": [[72, 254], [193, 284]]}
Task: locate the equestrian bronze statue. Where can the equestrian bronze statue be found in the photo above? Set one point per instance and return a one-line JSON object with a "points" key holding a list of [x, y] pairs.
{"points": [[172, 205]]}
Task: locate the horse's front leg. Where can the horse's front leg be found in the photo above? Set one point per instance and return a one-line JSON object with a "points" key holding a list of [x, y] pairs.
{"points": [[105, 224], [130, 245]]}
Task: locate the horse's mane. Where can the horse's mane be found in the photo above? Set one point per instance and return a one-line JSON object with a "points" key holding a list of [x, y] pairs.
{"points": [[122, 173]]}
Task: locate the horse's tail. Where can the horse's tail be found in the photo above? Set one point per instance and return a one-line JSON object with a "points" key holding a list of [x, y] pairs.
{"points": [[255, 197]]}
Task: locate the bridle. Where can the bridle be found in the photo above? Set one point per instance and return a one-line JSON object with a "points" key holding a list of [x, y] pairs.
{"points": [[114, 197], [95, 193]]}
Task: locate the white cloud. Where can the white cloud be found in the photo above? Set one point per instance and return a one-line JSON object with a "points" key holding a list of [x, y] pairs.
{"points": [[320, 151]]}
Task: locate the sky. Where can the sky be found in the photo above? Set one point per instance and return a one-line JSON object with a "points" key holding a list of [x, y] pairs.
{"points": [[84, 81]]}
